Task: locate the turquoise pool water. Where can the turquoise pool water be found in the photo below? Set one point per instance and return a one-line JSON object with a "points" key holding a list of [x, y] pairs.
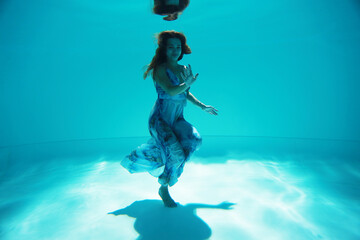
{"points": [[283, 151]]}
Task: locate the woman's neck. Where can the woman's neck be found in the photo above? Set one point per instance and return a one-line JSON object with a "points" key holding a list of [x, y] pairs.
{"points": [[172, 64]]}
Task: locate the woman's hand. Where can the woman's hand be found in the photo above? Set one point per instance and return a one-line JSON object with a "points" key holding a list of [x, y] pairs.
{"points": [[210, 109], [187, 76]]}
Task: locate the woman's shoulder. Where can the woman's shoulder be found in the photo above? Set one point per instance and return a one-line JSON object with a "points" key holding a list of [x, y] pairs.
{"points": [[160, 72], [161, 68]]}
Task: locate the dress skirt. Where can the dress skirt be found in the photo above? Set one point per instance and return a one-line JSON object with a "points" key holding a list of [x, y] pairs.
{"points": [[172, 142]]}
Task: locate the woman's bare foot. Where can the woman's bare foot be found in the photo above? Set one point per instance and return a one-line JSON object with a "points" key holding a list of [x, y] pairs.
{"points": [[165, 196]]}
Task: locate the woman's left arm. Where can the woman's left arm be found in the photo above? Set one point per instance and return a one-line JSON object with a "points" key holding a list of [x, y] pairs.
{"points": [[207, 108]]}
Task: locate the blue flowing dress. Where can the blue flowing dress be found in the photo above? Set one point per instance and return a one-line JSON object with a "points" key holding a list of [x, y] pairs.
{"points": [[172, 142]]}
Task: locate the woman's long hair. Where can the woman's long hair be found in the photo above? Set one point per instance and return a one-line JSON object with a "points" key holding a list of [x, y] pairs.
{"points": [[160, 54], [161, 8]]}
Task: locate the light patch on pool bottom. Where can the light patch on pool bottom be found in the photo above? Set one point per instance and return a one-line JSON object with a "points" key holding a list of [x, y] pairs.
{"points": [[267, 205], [273, 200]]}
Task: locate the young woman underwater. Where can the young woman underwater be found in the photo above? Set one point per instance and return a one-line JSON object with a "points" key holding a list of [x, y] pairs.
{"points": [[173, 138]]}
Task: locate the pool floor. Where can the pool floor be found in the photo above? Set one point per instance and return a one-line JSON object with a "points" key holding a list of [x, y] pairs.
{"points": [[224, 196]]}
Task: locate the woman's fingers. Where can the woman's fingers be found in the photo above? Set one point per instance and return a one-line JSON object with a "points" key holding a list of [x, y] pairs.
{"points": [[182, 76], [188, 75], [211, 110], [190, 70], [214, 113]]}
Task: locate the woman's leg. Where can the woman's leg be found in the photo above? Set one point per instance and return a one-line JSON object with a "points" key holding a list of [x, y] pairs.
{"points": [[166, 198], [173, 156], [188, 137]]}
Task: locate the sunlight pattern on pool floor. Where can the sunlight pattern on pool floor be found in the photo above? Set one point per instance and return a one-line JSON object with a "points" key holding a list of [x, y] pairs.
{"points": [[273, 199]]}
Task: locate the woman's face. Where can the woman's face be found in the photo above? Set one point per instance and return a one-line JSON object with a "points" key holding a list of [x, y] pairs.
{"points": [[173, 49]]}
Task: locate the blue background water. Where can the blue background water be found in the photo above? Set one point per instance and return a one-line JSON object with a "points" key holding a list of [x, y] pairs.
{"points": [[284, 148], [73, 69]]}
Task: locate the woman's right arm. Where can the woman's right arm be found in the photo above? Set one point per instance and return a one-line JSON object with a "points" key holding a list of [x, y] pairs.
{"points": [[163, 80]]}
